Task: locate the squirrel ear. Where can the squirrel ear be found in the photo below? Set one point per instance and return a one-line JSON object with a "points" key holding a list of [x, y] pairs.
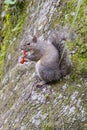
{"points": [[34, 39]]}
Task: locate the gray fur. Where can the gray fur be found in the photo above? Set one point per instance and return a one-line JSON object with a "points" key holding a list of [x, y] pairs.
{"points": [[51, 64]]}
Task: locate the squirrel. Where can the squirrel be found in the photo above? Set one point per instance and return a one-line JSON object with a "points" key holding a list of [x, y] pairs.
{"points": [[53, 59]]}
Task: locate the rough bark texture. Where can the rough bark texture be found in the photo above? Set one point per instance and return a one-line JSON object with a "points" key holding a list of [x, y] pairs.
{"points": [[56, 106]]}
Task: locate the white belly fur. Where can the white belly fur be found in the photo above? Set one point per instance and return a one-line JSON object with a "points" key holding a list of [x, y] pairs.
{"points": [[37, 69]]}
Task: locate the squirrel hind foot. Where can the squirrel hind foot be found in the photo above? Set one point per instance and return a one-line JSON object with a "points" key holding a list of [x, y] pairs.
{"points": [[40, 84]]}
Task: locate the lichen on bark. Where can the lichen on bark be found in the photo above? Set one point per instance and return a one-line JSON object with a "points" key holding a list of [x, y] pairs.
{"points": [[57, 106]]}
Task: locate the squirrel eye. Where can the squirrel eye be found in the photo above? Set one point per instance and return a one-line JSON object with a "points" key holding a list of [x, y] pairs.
{"points": [[28, 43]]}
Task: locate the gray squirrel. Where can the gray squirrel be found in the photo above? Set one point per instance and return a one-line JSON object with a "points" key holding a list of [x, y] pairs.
{"points": [[51, 56]]}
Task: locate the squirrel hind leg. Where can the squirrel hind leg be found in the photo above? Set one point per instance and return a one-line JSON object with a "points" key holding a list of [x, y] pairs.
{"points": [[51, 77], [47, 74]]}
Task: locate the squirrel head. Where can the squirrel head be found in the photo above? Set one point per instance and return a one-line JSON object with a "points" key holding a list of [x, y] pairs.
{"points": [[31, 44], [34, 47]]}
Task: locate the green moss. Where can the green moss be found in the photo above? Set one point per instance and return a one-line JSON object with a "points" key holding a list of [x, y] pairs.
{"points": [[12, 26], [77, 81], [47, 125], [79, 45], [13, 23]]}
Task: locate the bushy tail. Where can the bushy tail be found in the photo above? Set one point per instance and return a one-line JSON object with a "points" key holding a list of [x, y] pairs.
{"points": [[57, 38]]}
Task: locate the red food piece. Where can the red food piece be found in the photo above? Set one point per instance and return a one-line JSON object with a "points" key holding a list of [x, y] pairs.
{"points": [[24, 53], [22, 60]]}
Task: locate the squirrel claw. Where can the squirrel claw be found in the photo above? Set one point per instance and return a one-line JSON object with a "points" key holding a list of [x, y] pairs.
{"points": [[40, 84]]}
